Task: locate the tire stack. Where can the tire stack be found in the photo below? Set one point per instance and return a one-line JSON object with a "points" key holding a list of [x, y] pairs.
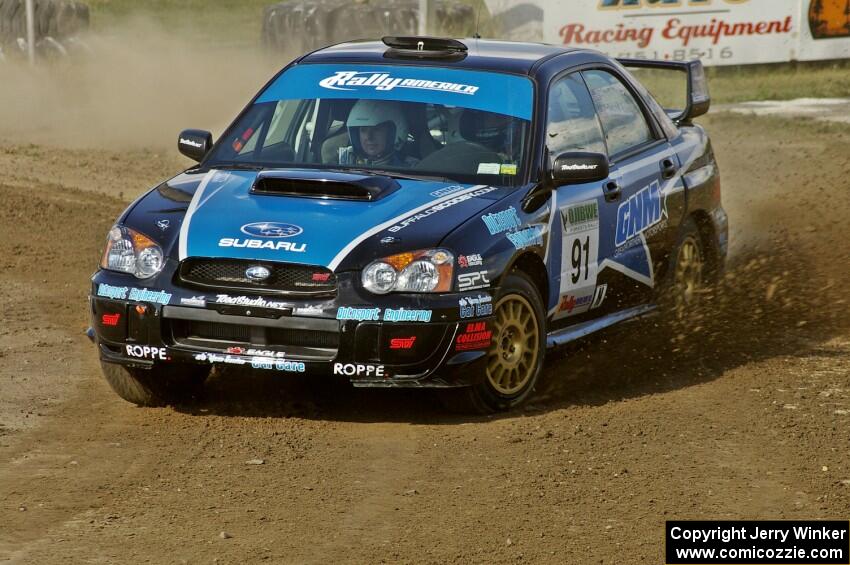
{"points": [[299, 26], [57, 20]]}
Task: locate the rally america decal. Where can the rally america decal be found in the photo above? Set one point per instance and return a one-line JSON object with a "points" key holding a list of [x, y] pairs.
{"points": [[349, 80]]}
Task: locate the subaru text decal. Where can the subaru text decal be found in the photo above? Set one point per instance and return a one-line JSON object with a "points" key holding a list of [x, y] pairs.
{"points": [[260, 244]]}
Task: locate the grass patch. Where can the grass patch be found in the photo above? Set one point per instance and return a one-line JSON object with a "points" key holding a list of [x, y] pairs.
{"points": [[780, 82]]}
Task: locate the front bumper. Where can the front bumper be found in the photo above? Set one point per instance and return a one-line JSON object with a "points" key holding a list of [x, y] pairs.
{"points": [[384, 341]]}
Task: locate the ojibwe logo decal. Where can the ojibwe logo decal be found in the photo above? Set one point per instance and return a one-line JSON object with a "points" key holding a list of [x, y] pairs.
{"points": [[350, 80]]}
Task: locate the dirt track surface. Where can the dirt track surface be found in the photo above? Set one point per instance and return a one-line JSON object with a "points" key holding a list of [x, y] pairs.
{"points": [[745, 416]]}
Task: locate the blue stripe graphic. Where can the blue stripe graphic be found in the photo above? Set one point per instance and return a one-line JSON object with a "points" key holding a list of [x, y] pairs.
{"points": [[328, 225]]}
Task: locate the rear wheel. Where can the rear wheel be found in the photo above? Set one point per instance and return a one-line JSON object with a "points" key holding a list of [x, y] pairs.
{"points": [[687, 272], [158, 386], [515, 358]]}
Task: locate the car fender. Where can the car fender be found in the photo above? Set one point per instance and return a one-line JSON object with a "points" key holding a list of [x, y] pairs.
{"points": [[500, 234]]}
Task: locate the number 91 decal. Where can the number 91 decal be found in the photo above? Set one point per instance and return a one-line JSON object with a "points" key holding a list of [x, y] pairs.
{"points": [[580, 249]]}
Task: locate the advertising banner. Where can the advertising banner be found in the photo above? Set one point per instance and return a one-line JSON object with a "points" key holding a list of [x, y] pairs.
{"points": [[826, 31], [719, 32]]}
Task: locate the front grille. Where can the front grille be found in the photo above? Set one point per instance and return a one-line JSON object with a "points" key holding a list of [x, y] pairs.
{"points": [[213, 331], [296, 342], [284, 278]]}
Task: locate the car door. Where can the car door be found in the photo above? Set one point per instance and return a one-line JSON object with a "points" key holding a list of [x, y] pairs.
{"points": [[634, 219], [574, 253]]}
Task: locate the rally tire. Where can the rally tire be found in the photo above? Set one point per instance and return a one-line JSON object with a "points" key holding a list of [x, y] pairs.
{"points": [[514, 361], [158, 386], [687, 274]]}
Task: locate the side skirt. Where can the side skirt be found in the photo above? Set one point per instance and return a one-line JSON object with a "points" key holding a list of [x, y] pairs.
{"points": [[572, 333]]}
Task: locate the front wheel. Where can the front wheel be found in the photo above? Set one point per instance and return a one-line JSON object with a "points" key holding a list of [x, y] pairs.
{"points": [[158, 386], [515, 358]]}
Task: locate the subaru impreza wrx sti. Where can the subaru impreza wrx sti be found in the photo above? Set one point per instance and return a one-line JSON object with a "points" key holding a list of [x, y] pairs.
{"points": [[414, 212]]}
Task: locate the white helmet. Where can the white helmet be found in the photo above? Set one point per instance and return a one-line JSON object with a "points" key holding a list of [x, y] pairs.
{"points": [[369, 113]]}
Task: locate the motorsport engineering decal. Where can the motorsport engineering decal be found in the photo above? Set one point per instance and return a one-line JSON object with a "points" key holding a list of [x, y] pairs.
{"points": [[390, 314], [137, 294]]}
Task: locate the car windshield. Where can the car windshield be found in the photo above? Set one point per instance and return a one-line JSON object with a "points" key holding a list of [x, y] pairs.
{"points": [[466, 126]]}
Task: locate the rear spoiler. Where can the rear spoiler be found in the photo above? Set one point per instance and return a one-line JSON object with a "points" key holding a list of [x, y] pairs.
{"points": [[699, 99]]}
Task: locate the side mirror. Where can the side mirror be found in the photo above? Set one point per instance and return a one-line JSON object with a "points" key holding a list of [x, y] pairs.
{"points": [[194, 143], [578, 168]]}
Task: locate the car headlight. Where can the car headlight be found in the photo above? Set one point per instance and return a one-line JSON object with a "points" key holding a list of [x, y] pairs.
{"points": [[129, 251], [428, 270]]}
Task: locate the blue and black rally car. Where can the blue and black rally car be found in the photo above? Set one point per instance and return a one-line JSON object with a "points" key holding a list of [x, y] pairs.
{"points": [[416, 212]]}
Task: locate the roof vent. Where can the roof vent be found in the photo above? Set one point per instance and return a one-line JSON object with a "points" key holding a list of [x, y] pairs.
{"points": [[420, 47]]}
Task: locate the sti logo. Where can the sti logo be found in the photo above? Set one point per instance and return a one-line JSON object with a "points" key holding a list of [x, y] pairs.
{"points": [[632, 4], [402, 342]]}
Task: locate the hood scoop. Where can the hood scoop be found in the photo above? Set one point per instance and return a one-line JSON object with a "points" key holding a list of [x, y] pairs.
{"points": [[332, 185]]}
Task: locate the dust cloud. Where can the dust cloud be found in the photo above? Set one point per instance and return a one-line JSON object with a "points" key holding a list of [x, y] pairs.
{"points": [[138, 87]]}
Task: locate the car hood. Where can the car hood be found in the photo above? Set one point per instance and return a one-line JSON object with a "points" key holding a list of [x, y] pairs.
{"points": [[226, 219]]}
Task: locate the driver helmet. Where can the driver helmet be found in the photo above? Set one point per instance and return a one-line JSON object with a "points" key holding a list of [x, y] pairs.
{"points": [[493, 131], [370, 113]]}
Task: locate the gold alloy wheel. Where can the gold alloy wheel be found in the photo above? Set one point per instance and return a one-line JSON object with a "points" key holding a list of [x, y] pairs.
{"points": [[512, 358], [689, 267]]}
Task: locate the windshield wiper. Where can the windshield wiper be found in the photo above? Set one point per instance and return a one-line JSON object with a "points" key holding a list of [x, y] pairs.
{"points": [[393, 174], [238, 166]]}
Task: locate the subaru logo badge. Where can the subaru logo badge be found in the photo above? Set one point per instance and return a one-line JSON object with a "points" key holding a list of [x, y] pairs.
{"points": [[271, 229], [257, 273]]}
